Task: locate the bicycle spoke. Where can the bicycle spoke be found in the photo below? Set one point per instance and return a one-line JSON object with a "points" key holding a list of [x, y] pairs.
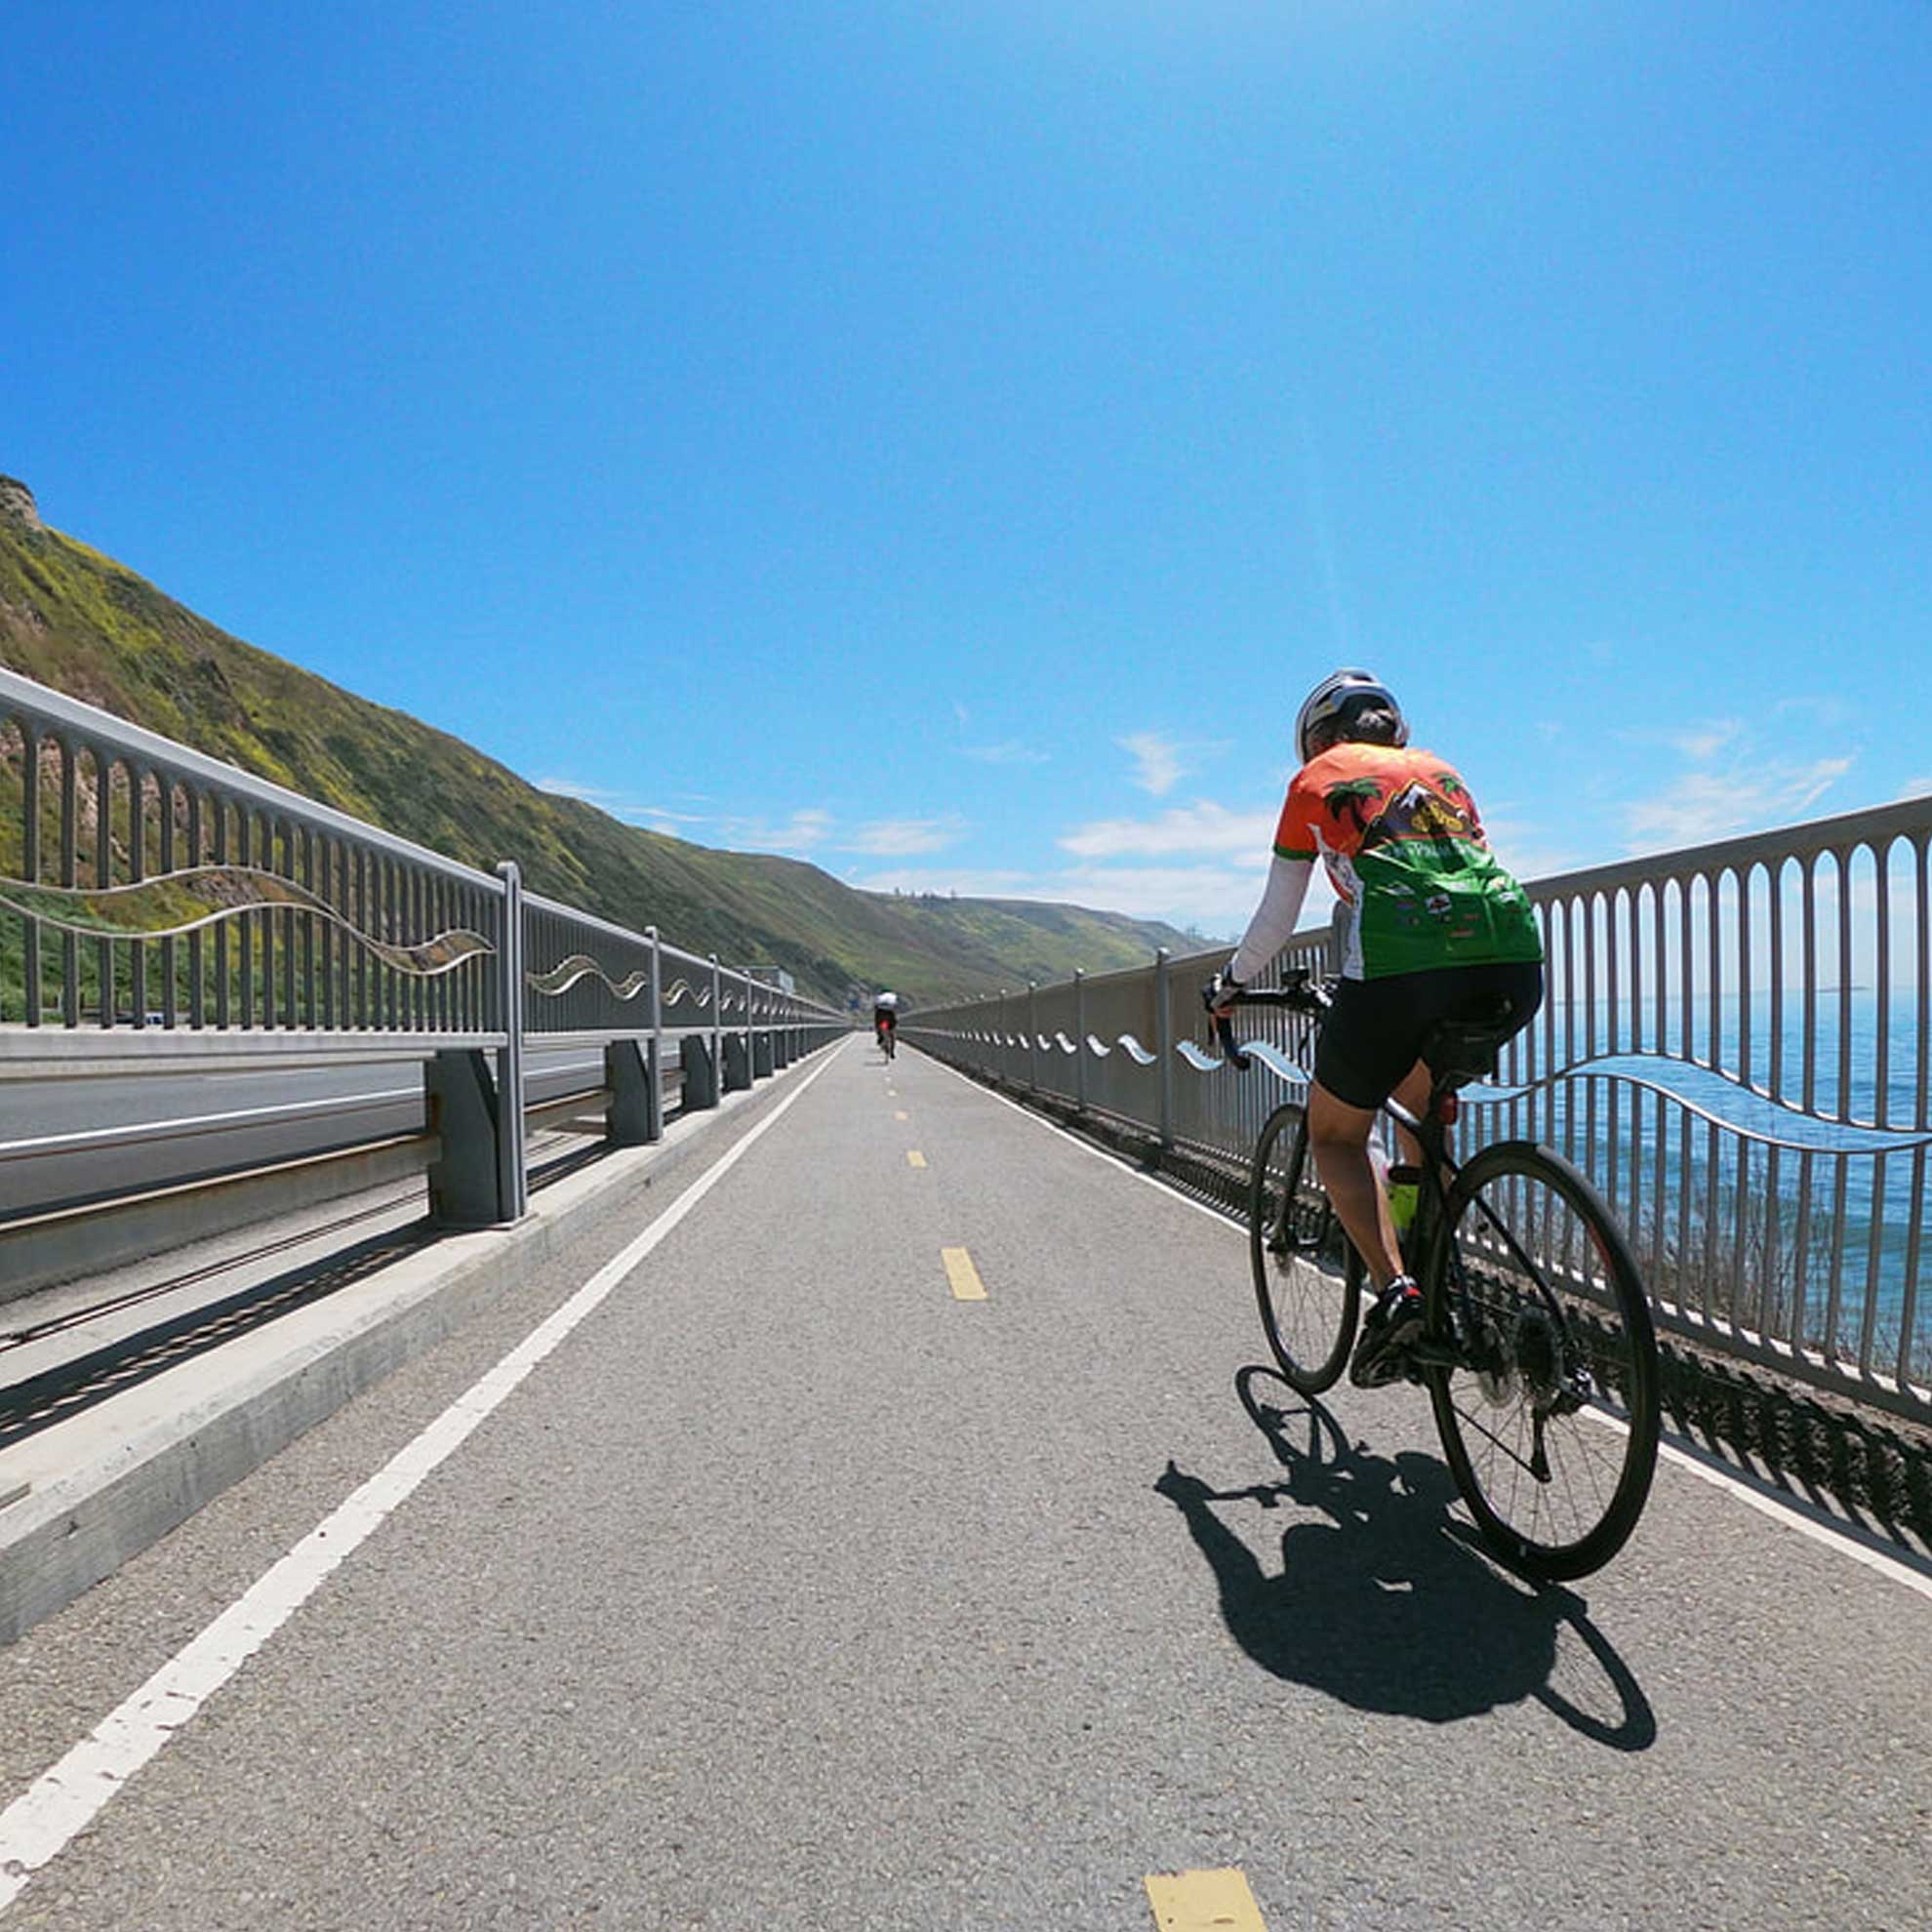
{"points": [[1306, 1280], [1553, 1325]]}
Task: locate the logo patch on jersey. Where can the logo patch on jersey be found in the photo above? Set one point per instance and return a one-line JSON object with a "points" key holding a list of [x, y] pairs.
{"points": [[1417, 812]]}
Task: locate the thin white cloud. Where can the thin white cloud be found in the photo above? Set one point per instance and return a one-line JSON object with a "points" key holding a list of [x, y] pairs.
{"points": [[1703, 742], [1521, 845], [1215, 898], [631, 810], [1203, 827], [1219, 899], [804, 831], [1825, 710], [1915, 788], [897, 837], [1010, 752], [1700, 806], [1159, 761]]}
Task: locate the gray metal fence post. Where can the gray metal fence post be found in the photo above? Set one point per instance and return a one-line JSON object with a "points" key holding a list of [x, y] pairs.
{"points": [[478, 1178], [655, 1053], [1081, 1039], [1164, 1046], [764, 1047], [736, 1063], [1033, 1035], [717, 1024], [512, 1172]]}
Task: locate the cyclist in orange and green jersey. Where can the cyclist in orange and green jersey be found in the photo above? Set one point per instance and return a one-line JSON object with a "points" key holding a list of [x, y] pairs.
{"points": [[1432, 927]]}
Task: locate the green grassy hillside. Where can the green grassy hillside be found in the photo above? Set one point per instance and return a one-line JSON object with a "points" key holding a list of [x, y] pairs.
{"points": [[75, 620]]}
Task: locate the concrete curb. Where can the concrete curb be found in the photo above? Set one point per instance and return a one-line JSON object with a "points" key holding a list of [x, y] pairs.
{"points": [[105, 1485]]}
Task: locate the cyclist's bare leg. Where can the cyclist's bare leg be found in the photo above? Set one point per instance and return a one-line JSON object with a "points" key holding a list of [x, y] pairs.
{"points": [[1413, 1093], [1339, 1134]]}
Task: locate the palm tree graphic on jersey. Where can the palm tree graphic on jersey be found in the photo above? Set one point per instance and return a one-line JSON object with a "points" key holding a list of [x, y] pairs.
{"points": [[1347, 798], [1414, 811]]}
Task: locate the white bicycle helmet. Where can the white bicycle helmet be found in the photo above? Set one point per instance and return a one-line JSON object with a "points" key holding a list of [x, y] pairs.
{"points": [[1325, 703]]}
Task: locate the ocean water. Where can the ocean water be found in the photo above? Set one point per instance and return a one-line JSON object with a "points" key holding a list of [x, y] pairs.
{"points": [[1826, 1239]]}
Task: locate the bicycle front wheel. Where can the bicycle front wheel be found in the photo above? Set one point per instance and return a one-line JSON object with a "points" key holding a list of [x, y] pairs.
{"points": [[1550, 1416], [1308, 1275]]}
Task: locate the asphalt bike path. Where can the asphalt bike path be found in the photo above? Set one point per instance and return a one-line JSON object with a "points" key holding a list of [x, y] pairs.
{"points": [[922, 1544]]}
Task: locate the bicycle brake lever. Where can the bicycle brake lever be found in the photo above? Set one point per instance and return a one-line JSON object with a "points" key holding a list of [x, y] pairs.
{"points": [[1224, 1032]]}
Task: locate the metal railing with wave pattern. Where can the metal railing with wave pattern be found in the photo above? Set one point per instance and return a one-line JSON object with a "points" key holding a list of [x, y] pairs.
{"points": [[157, 905], [1735, 1046]]}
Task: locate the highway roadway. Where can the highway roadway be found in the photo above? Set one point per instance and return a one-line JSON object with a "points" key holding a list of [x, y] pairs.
{"points": [[884, 1543], [69, 1138]]}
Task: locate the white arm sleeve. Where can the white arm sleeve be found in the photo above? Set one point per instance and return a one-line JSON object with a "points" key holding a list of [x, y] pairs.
{"points": [[1274, 923]]}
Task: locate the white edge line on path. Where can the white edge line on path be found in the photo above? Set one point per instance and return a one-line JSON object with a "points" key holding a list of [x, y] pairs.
{"points": [[1119, 1163], [1820, 1528], [67, 1798], [1826, 1530]]}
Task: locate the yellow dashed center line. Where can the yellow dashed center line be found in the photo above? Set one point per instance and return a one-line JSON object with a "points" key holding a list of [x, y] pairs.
{"points": [[914, 1158], [963, 1275], [1203, 1902], [901, 1116]]}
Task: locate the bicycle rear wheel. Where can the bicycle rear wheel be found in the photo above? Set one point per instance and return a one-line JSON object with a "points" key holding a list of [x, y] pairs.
{"points": [[1550, 1420], [1308, 1275]]}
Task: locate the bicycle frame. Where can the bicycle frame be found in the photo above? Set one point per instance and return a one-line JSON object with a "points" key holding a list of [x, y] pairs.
{"points": [[1437, 1168]]}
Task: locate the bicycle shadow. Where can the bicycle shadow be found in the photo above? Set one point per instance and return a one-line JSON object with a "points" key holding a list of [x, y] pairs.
{"points": [[1389, 1606]]}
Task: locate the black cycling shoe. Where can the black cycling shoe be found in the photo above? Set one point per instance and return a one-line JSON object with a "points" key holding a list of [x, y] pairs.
{"points": [[1388, 1328]]}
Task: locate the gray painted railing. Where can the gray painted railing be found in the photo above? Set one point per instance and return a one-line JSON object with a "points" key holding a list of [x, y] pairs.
{"points": [[157, 905], [1735, 1046]]}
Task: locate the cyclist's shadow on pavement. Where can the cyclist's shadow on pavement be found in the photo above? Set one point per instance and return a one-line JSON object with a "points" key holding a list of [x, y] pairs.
{"points": [[1388, 1604]]}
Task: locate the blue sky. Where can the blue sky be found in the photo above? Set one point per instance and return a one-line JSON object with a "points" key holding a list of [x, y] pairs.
{"points": [[946, 443]]}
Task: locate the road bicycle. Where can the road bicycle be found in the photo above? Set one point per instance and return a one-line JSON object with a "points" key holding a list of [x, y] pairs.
{"points": [[888, 1040], [1536, 1348]]}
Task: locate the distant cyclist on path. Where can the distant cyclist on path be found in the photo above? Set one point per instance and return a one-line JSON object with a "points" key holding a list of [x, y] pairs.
{"points": [[1432, 927], [885, 1020]]}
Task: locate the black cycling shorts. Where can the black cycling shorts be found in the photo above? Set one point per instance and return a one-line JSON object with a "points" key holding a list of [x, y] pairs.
{"points": [[1375, 1030]]}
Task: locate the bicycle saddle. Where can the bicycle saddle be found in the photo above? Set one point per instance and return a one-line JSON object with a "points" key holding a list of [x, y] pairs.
{"points": [[1464, 1046]]}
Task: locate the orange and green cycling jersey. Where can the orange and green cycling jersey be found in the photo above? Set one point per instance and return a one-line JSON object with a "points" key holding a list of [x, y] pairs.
{"points": [[1405, 851]]}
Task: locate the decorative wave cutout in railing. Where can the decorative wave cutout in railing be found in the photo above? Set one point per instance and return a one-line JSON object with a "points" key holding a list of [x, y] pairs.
{"points": [[1721, 1100], [579, 966], [171, 904], [1714, 1097]]}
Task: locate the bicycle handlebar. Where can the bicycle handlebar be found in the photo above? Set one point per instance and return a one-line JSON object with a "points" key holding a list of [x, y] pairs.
{"points": [[1300, 992]]}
